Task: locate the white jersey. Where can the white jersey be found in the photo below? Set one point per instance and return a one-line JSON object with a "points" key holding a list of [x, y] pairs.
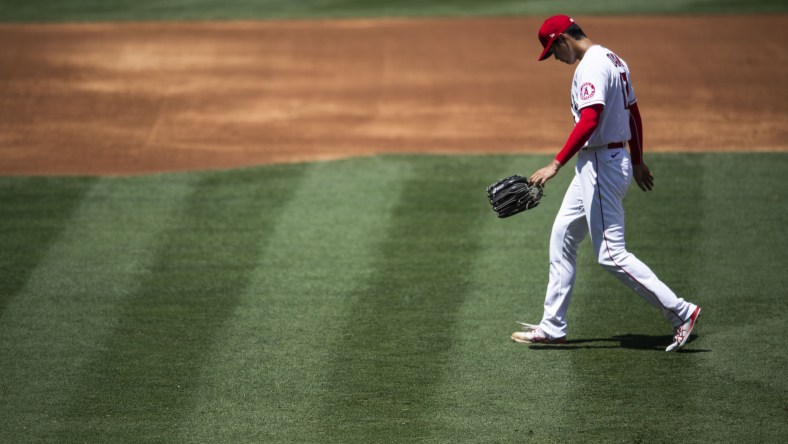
{"points": [[603, 78]]}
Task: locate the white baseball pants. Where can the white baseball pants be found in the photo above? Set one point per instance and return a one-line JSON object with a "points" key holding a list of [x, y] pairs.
{"points": [[594, 204]]}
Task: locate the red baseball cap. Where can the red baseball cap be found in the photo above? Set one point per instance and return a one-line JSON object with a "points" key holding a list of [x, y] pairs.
{"points": [[550, 30]]}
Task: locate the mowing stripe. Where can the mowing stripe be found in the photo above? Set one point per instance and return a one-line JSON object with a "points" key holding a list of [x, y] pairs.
{"points": [[140, 382], [55, 325], [663, 228], [398, 332], [495, 390], [33, 214], [743, 261], [274, 343]]}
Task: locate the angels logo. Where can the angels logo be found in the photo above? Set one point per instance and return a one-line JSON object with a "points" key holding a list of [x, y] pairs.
{"points": [[587, 91]]}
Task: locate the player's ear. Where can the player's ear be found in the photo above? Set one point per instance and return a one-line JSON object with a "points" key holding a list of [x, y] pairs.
{"points": [[558, 41]]}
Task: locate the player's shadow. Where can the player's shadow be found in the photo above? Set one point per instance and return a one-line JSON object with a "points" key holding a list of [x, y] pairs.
{"points": [[628, 341]]}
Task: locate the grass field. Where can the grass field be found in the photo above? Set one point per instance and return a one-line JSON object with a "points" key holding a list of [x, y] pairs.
{"points": [[371, 300], [95, 10]]}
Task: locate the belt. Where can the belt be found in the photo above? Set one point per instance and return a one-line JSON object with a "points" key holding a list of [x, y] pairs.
{"points": [[610, 146]]}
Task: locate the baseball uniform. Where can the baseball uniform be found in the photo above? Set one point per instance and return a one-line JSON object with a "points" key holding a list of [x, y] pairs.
{"points": [[604, 106]]}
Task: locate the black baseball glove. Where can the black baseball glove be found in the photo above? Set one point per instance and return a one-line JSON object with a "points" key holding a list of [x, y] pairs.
{"points": [[513, 195]]}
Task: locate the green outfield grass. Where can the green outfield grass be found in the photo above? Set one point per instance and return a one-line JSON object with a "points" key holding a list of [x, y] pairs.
{"points": [[372, 299], [92, 10]]}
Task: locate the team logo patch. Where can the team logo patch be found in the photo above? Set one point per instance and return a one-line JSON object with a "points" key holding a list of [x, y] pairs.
{"points": [[587, 91]]}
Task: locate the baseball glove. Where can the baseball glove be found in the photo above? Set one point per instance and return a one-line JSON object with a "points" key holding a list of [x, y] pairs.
{"points": [[513, 195]]}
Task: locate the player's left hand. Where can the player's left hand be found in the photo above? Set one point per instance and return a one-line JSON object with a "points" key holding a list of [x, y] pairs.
{"points": [[643, 177]]}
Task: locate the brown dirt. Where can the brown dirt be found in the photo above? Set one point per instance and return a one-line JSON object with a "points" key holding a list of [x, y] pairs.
{"points": [[145, 97]]}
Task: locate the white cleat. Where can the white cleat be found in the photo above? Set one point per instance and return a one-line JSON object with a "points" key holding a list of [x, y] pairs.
{"points": [[532, 334], [682, 333]]}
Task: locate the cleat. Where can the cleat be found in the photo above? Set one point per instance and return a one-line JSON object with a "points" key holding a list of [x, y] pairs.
{"points": [[682, 333], [532, 334]]}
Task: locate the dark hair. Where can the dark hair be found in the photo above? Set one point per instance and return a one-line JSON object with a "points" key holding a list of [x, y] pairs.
{"points": [[575, 32]]}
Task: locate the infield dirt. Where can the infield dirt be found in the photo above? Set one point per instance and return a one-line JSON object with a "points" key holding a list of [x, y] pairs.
{"points": [[128, 98]]}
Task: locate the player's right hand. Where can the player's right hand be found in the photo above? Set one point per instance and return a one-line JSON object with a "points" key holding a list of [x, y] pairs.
{"points": [[542, 175]]}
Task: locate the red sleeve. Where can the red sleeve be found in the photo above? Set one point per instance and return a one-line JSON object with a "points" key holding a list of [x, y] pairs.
{"points": [[636, 128], [589, 120]]}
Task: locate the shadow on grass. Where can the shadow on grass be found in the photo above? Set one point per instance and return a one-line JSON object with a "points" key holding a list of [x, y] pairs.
{"points": [[628, 341]]}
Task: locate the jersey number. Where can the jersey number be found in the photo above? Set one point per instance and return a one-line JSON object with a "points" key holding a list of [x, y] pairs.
{"points": [[625, 89]]}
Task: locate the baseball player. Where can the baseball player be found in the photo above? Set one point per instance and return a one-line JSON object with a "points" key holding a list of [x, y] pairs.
{"points": [[606, 117]]}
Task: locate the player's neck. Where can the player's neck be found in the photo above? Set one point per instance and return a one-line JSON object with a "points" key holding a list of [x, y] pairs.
{"points": [[581, 46]]}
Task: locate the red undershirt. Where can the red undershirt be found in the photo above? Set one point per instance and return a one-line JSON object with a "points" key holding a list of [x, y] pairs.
{"points": [[589, 120]]}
